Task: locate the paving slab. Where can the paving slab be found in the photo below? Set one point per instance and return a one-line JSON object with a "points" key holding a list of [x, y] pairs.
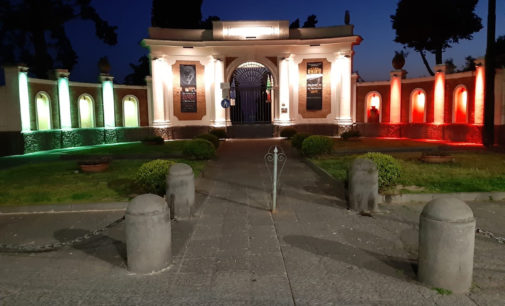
{"points": [[234, 251]]}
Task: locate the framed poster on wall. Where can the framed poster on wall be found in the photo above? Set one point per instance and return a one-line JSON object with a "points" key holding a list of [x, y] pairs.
{"points": [[188, 88], [314, 86]]}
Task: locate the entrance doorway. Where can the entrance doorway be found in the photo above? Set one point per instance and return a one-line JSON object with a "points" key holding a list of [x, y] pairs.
{"points": [[252, 89]]}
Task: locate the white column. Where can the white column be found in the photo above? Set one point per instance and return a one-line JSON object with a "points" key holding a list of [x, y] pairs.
{"points": [[219, 112], [334, 86], [162, 89], [109, 115], [64, 98], [283, 108], [149, 85], [294, 74], [344, 64]]}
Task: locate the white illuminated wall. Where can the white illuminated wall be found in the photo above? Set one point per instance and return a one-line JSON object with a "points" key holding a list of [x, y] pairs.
{"points": [[24, 101], [108, 103], [219, 111]]}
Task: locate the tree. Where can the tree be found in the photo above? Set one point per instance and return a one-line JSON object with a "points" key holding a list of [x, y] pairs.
{"points": [[434, 25], [499, 48], [140, 71], [488, 129], [469, 64], [295, 24], [309, 23], [33, 32], [449, 66]]}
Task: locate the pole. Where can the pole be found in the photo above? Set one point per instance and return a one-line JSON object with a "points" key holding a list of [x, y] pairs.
{"points": [[488, 129], [274, 194]]}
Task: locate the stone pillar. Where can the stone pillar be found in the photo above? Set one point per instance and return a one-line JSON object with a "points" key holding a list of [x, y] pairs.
{"points": [[363, 185], [446, 245], [219, 119], [149, 85], [109, 116], [181, 190], [480, 79], [439, 94], [283, 105], [395, 101], [64, 98], [162, 87], [148, 234], [345, 66], [15, 115]]}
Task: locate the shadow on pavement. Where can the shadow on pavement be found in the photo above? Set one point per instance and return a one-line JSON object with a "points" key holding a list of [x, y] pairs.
{"points": [[102, 247], [400, 268]]}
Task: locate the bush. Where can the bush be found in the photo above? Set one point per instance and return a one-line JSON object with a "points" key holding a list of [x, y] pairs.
{"points": [[154, 139], [350, 134], [297, 140], [387, 167], [288, 132], [316, 145], [219, 133], [199, 149], [211, 138], [151, 176]]}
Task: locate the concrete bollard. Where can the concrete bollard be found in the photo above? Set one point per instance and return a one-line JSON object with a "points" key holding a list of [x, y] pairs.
{"points": [[446, 245], [363, 185], [148, 234], [181, 190]]}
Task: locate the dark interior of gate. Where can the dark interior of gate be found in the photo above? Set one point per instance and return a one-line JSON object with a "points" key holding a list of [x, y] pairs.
{"points": [[251, 88]]}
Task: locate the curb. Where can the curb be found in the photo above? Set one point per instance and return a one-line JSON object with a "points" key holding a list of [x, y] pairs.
{"points": [[86, 207], [417, 197]]}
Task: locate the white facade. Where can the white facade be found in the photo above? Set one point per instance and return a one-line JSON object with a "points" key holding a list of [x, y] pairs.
{"points": [[270, 43]]}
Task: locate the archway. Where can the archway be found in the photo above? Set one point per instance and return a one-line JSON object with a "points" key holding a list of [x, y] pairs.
{"points": [[251, 94]]}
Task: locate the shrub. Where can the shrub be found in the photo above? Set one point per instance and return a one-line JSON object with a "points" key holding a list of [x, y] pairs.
{"points": [[154, 139], [219, 133], [288, 132], [297, 140], [388, 169], [151, 176], [212, 138], [316, 145], [350, 134], [199, 149]]}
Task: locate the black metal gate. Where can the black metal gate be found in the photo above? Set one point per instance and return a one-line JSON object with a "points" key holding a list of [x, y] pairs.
{"points": [[251, 86]]}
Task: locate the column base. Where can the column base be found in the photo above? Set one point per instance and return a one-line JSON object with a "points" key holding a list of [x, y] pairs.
{"points": [[344, 121]]}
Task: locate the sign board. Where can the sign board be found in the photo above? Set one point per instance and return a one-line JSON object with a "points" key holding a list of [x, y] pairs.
{"points": [[225, 103], [314, 86], [188, 88]]}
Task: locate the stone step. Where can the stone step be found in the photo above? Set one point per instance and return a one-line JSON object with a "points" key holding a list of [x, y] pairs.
{"points": [[251, 131]]}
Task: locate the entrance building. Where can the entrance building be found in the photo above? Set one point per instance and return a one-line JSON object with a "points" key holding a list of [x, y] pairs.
{"points": [[271, 74]]}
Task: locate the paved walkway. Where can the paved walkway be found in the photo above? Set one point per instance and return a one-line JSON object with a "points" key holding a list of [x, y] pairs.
{"points": [[235, 252]]}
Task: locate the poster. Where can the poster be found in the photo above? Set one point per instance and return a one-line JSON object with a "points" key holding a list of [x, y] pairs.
{"points": [[314, 86], [188, 88]]}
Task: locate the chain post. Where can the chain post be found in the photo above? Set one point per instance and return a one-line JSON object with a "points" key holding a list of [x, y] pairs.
{"points": [[274, 193]]}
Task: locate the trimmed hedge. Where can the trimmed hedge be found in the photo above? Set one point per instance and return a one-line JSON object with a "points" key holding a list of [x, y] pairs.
{"points": [[297, 140], [219, 133], [388, 169], [152, 176], [211, 138], [199, 149], [288, 132], [317, 145]]}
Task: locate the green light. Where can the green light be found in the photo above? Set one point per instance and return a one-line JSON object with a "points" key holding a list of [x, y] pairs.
{"points": [[86, 112], [64, 98], [24, 103], [43, 112], [108, 103], [131, 118]]}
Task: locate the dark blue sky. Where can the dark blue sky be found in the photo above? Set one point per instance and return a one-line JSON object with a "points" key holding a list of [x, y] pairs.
{"points": [[370, 17]]}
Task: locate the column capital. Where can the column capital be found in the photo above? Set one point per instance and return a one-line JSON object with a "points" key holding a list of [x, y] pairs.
{"points": [[297, 59], [105, 77], [61, 73], [440, 68], [402, 74], [149, 79], [480, 61]]}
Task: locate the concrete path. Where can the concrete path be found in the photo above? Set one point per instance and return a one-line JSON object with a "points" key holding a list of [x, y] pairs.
{"points": [[235, 252]]}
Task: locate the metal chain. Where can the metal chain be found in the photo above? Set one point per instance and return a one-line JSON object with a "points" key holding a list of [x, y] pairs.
{"points": [[488, 234], [26, 248]]}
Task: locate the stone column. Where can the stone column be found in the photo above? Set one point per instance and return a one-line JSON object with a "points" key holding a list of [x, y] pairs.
{"points": [[15, 114], [345, 66], [439, 98], [395, 101], [480, 79], [149, 85], [162, 87], [64, 98], [219, 119], [109, 118], [283, 105]]}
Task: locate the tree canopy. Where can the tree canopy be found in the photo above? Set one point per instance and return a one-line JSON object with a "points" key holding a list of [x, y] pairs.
{"points": [[434, 25], [33, 32], [309, 23], [188, 15]]}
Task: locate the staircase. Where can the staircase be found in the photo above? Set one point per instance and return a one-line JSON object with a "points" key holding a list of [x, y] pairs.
{"points": [[251, 131]]}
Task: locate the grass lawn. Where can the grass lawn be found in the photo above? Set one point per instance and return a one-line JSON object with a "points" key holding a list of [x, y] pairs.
{"points": [[471, 172], [44, 178]]}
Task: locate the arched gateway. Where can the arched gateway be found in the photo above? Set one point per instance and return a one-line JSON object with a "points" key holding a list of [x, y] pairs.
{"points": [[272, 75]]}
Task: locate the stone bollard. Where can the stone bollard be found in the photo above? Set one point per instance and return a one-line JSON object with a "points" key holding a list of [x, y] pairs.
{"points": [[446, 245], [148, 234], [181, 190], [363, 185]]}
